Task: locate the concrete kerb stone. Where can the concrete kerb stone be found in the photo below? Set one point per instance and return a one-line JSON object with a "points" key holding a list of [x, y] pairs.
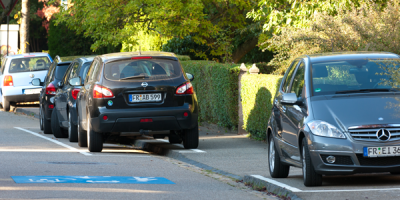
{"points": [[270, 187], [26, 112]]}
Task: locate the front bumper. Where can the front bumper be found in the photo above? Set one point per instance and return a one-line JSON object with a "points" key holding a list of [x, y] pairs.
{"points": [[128, 120], [349, 156]]}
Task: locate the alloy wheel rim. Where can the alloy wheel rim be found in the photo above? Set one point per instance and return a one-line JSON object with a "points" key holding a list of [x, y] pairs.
{"points": [[271, 155], [304, 163]]}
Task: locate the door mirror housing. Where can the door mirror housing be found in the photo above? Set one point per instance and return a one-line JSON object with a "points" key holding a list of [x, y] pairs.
{"points": [[290, 99], [36, 82], [190, 76], [77, 81], [60, 84]]}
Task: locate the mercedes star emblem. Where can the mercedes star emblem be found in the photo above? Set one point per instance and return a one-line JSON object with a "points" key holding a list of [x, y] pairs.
{"points": [[144, 84], [32, 75], [383, 134]]}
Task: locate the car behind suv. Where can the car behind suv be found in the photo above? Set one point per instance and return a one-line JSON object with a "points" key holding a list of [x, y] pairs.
{"points": [[336, 114], [64, 113], [143, 93], [16, 74]]}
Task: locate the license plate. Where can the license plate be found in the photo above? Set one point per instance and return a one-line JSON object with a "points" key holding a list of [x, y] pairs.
{"points": [[31, 91], [154, 97], [382, 151]]}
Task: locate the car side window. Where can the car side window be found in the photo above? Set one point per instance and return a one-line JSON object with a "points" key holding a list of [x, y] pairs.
{"points": [[286, 83], [51, 72], [3, 64], [91, 73], [298, 81]]}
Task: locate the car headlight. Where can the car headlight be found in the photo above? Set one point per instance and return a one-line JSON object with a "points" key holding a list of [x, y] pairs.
{"points": [[325, 129]]}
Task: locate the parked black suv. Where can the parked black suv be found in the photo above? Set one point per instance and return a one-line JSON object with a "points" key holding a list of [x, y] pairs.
{"points": [[55, 74], [144, 93], [64, 115]]}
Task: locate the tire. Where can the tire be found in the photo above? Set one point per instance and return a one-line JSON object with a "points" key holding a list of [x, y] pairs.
{"points": [[276, 168], [174, 138], [94, 140], [191, 138], [395, 173], [40, 119], [46, 125], [82, 135], [310, 177], [55, 126], [72, 130], [6, 105]]}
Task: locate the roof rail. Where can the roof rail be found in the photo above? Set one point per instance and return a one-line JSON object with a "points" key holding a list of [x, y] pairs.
{"points": [[58, 58]]}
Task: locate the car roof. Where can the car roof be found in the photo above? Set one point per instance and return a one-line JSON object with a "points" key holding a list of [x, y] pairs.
{"points": [[28, 54], [332, 56], [124, 55], [85, 59]]}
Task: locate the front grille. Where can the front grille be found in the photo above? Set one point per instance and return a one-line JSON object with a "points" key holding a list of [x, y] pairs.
{"points": [[380, 161], [339, 160], [370, 134]]}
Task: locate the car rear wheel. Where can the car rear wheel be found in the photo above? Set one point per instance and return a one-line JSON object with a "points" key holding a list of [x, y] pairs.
{"points": [[72, 130], [94, 140], [173, 138], [5, 104], [310, 176], [41, 119], [276, 168], [191, 138], [46, 125], [82, 135], [55, 126]]}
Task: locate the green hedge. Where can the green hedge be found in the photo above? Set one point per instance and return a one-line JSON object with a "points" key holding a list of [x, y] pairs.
{"points": [[216, 87], [257, 96], [183, 57]]}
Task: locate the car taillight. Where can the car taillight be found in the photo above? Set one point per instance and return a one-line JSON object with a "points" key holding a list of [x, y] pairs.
{"points": [[101, 92], [75, 92], [8, 81], [50, 89], [186, 88], [141, 57]]}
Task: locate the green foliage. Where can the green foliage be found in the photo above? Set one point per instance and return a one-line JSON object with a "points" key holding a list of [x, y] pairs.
{"points": [[183, 57], [257, 95], [216, 87], [187, 46], [143, 40]]}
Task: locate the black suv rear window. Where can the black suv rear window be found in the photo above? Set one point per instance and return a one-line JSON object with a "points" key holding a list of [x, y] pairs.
{"points": [[29, 64], [150, 69], [60, 71]]}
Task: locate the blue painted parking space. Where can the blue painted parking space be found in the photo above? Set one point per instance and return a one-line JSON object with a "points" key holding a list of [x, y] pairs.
{"points": [[92, 179]]}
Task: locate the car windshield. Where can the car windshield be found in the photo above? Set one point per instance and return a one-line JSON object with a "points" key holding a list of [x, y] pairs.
{"points": [[28, 64], [137, 70], [352, 76]]}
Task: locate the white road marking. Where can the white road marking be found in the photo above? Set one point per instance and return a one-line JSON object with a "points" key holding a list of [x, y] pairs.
{"points": [[195, 150], [288, 187], [55, 141]]}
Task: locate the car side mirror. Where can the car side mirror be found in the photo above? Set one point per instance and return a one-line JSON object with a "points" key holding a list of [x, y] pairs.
{"points": [[190, 76], [77, 81], [290, 99], [60, 84], [36, 82]]}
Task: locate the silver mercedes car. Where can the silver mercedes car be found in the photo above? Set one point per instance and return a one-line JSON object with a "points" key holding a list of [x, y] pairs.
{"points": [[337, 114]]}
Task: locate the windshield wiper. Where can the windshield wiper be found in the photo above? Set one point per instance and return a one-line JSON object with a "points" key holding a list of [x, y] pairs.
{"points": [[133, 77], [364, 91]]}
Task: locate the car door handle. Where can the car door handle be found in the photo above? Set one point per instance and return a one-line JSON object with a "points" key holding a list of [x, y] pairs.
{"points": [[283, 108]]}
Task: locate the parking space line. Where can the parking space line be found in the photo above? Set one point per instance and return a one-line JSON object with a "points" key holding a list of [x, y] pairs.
{"points": [[54, 141], [288, 187], [195, 150]]}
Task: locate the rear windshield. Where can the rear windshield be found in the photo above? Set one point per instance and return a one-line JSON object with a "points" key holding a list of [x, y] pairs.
{"points": [[29, 64], [147, 69], [60, 71], [341, 76]]}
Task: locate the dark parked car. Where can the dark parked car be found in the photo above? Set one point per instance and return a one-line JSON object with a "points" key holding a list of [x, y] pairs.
{"points": [[46, 99], [64, 113], [336, 114], [143, 93]]}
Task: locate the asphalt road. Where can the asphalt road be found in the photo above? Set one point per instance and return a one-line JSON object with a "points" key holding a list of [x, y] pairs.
{"points": [[26, 151]]}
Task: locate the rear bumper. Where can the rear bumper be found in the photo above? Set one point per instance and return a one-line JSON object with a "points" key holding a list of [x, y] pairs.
{"points": [[22, 98], [128, 120]]}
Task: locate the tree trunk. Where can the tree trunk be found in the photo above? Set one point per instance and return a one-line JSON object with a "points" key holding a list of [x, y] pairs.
{"points": [[243, 49], [24, 32]]}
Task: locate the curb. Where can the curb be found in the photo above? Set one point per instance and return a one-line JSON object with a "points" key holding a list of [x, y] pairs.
{"points": [[26, 112], [275, 189], [153, 147]]}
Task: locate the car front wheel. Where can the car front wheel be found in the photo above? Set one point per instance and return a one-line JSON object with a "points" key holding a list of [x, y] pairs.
{"points": [[94, 140], [276, 168], [72, 130], [58, 132], [82, 135], [310, 176]]}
